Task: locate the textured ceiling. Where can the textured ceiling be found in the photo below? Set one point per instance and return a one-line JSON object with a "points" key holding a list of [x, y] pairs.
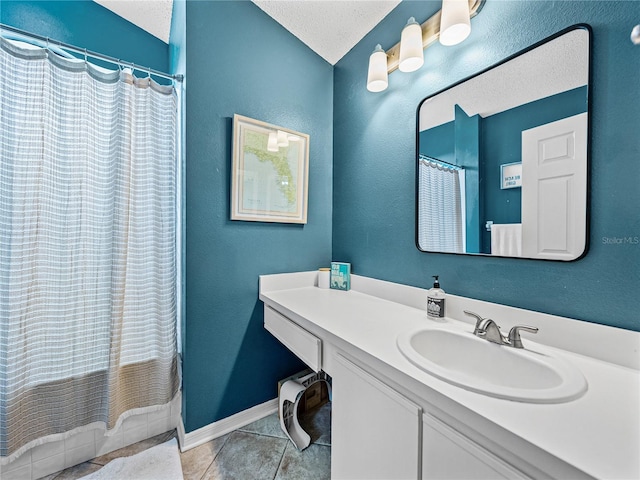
{"points": [[556, 66], [329, 27], [153, 16]]}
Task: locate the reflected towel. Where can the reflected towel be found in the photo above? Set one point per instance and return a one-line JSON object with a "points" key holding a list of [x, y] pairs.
{"points": [[506, 239]]}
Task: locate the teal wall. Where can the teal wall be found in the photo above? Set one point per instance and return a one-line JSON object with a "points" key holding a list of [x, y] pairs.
{"points": [[88, 25], [241, 61], [362, 172], [178, 38], [495, 140], [467, 144], [246, 63], [440, 142], [375, 229], [502, 143]]}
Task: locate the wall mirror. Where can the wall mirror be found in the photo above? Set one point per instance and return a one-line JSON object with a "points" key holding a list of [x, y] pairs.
{"points": [[501, 165]]}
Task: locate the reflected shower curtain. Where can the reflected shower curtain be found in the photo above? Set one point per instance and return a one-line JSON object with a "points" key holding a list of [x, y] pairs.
{"points": [[87, 246], [439, 208]]}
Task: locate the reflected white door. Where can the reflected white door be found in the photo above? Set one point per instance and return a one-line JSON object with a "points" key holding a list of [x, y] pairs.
{"points": [[554, 189]]}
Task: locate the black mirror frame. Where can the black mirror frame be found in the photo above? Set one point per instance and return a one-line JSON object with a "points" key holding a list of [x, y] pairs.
{"points": [[579, 26]]}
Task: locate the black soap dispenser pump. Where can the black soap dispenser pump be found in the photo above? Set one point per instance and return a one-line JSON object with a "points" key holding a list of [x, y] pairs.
{"points": [[435, 300]]}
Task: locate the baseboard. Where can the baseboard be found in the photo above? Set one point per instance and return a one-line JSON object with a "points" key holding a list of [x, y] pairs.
{"points": [[221, 427]]}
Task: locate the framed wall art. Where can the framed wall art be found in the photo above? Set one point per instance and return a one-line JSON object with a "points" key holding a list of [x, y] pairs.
{"points": [[270, 172]]}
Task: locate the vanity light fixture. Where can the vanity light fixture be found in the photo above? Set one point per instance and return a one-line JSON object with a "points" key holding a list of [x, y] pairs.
{"points": [[451, 25], [411, 50], [282, 139], [635, 35], [272, 142], [455, 23], [279, 139], [377, 78]]}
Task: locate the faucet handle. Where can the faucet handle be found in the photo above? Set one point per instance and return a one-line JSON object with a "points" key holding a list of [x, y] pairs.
{"points": [[478, 318], [514, 334]]}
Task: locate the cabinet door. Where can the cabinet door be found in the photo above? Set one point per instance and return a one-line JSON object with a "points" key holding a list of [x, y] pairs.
{"points": [[449, 455], [375, 432]]}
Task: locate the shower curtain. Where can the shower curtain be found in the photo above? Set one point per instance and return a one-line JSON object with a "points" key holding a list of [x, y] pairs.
{"points": [[87, 246], [440, 208]]}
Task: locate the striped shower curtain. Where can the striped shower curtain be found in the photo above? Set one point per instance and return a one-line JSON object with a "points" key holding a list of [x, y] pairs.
{"points": [[87, 246], [440, 216]]}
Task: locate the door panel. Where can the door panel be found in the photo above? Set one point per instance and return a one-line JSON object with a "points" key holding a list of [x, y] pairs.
{"points": [[554, 189]]}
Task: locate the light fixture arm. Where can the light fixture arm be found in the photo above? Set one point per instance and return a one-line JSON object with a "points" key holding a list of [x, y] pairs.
{"points": [[430, 34]]}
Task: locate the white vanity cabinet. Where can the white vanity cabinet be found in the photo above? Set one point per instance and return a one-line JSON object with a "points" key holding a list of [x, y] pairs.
{"points": [[375, 431], [449, 455], [306, 346], [378, 433], [392, 420]]}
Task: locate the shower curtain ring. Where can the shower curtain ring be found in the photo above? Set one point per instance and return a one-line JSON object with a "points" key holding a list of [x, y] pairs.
{"points": [[85, 55]]}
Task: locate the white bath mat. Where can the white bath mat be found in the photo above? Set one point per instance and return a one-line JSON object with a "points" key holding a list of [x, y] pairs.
{"points": [[161, 462]]}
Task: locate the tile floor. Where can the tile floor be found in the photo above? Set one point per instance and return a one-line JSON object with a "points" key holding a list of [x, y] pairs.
{"points": [[257, 451]]}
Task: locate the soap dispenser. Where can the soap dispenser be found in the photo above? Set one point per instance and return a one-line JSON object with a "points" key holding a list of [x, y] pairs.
{"points": [[435, 300]]}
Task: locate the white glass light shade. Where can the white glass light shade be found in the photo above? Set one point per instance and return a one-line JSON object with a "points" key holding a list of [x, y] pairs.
{"points": [[411, 49], [455, 22], [377, 78], [635, 35], [272, 142], [283, 139]]}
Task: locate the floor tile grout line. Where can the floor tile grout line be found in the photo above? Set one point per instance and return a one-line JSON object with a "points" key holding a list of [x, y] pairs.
{"points": [[224, 443], [284, 450], [263, 434]]}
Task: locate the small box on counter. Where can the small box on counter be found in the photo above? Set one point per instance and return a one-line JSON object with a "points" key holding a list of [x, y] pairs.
{"points": [[340, 276]]}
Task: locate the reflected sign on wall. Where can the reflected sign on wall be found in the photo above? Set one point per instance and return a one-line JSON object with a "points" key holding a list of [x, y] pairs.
{"points": [[510, 175]]}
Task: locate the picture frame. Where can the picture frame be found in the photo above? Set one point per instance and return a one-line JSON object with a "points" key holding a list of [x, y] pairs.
{"points": [[510, 175], [270, 172]]}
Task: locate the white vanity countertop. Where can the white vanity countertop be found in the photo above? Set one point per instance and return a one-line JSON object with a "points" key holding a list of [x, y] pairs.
{"points": [[598, 433]]}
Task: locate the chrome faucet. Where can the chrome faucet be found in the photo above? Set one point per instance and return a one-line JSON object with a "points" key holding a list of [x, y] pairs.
{"points": [[489, 330]]}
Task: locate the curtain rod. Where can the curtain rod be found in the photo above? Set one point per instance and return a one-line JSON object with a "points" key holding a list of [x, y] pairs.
{"points": [[89, 53], [426, 158]]}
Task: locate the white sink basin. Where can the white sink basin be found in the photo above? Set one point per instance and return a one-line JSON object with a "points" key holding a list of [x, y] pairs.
{"points": [[462, 359]]}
